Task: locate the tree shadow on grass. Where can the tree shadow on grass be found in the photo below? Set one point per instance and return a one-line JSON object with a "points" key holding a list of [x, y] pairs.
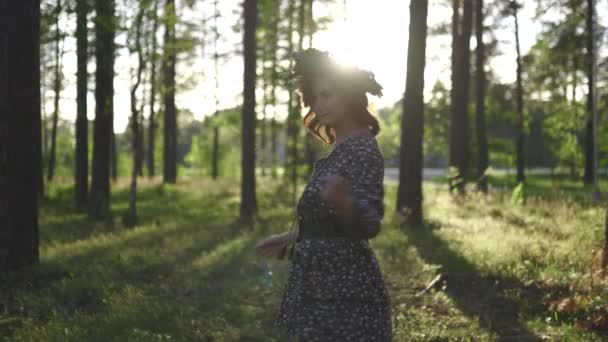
{"points": [[498, 301]]}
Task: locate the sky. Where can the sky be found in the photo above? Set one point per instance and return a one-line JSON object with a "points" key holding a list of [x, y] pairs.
{"points": [[371, 34]]}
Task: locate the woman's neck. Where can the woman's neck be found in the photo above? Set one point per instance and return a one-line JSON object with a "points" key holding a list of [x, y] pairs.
{"points": [[347, 130]]}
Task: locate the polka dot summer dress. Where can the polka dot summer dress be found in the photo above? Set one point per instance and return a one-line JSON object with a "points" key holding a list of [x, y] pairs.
{"points": [[335, 290]]}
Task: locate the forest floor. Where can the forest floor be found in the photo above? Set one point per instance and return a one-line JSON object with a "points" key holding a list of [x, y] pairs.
{"points": [[189, 272]]}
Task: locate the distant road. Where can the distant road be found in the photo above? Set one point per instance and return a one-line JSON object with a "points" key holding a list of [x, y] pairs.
{"points": [[391, 174]]}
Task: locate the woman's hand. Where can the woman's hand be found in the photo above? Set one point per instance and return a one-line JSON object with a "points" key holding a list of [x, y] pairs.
{"points": [[336, 191], [271, 246]]}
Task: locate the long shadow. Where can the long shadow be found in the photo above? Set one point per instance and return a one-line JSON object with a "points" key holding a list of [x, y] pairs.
{"points": [[480, 295], [145, 277], [153, 208]]}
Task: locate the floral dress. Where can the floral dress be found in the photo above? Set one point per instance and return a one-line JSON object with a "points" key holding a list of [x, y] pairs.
{"points": [[335, 290]]}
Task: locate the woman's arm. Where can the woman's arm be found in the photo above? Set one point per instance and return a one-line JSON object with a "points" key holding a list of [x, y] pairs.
{"points": [[361, 213]]}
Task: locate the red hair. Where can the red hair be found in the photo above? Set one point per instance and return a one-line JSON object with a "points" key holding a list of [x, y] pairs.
{"points": [[352, 83]]}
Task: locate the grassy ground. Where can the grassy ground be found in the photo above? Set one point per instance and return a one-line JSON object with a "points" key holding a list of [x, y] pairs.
{"points": [[188, 272]]}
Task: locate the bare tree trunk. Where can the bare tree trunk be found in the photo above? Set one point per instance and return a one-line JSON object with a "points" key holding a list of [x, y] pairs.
{"points": [[409, 199], [170, 113], [520, 161], [216, 129], [459, 124], [292, 129], [20, 140], [275, 77], [132, 218], [99, 200], [589, 176], [153, 82], [113, 152], [82, 162], [482, 139], [248, 199], [302, 29], [57, 90]]}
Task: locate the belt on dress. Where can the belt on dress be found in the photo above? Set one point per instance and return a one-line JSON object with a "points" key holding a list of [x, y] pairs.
{"points": [[322, 229]]}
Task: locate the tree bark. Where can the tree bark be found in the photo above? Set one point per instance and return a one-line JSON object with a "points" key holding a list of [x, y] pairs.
{"points": [[57, 90], [409, 200], [153, 83], [459, 123], [519, 144], [82, 158], [20, 136], [291, 132], [273, 90], [248, 199], [589, 175], [170, 113], [480, 89], [99, 201], [132, 218], [216, 138]]}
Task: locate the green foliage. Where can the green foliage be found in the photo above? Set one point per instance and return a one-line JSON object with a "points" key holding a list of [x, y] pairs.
{"points": [[200, 153], [518, 195]]}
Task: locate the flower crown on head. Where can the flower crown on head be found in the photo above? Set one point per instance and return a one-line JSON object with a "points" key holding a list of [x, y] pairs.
{"points": [[312, 62]]}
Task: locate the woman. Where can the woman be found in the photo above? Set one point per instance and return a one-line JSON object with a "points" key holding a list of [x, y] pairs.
{"points": [[335, 290]]}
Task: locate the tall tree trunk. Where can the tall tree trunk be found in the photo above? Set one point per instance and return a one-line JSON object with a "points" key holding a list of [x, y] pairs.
{"points": [[132, 218], [303, 29], [99, 200], [113, 152], [216, 57], [480, 91], [454, 119], [153, 83], [605, 249], [409, 199], [589, 176], [82, 163], [292, 115], [57, 90], [274, 81], [170, 113], [20, 140], [263, 139], [459, 124], [307, 9], [519, 145], [248, 199]]}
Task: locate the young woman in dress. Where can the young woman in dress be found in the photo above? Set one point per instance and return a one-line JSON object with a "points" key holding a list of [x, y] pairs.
{"points": [[335, 289]]}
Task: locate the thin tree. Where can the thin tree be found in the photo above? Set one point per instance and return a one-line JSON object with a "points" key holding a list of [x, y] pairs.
{"points": [[153, 83], [170, 113], [216, 66], [302, 32], [248, 199], [590, 145], [20, 137], [519, 143], [99, 200], [57, 90], [132, 218], [82, 164], [292, 116], [409, 198], [480, 89], [274, 84]]}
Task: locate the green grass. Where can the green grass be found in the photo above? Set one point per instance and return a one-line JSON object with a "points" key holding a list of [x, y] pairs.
{"points": [[188, 272]]}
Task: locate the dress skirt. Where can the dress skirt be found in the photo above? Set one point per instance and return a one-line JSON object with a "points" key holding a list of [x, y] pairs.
{"points": [[335, 292]]}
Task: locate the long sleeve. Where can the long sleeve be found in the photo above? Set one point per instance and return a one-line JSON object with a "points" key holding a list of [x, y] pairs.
{"points": [[364, 171]]}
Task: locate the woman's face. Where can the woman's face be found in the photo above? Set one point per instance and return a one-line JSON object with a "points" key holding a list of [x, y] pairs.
{"points": [[327, 103]]}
